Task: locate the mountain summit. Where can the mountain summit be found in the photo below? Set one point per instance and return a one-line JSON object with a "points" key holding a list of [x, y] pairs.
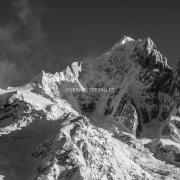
{"points": [[114, 117]]}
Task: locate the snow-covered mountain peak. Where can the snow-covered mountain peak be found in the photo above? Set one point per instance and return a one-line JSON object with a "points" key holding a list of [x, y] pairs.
{"points": [[70, 74], [55, 85], [94, 134], [123, 41], [126, 39]]}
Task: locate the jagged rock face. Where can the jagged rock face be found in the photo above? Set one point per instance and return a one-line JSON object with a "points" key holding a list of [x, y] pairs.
{"points": [[156, 77], [73, 154], [16, 114], [171, 131], [82, 151], [150, 89], [129, 115], [54, 85]]}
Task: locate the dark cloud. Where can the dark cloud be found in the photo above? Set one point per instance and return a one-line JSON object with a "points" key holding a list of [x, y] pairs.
{"points": [[23, 46]]}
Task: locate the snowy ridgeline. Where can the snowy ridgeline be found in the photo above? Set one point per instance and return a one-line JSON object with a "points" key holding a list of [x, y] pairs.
{"points": [[130, 131]]}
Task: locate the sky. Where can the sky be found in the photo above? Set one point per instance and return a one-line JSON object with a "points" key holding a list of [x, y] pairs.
{"points": [[48, 35]]}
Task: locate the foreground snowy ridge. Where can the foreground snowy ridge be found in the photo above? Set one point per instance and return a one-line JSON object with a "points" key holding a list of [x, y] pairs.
{"points": [[131, 133]]}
